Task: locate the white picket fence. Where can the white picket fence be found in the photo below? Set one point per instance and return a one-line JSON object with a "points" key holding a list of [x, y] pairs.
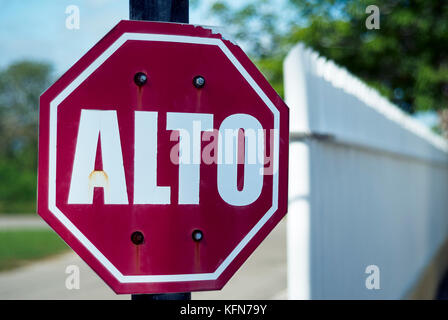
{"points": [[368, 185]]}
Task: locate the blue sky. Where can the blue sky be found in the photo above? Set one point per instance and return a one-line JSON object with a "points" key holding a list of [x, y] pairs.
{"points": [[35, 29]]}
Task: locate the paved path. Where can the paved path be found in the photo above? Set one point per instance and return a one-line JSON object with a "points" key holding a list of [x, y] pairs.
{"points": [[263, 276], [21, 221]]}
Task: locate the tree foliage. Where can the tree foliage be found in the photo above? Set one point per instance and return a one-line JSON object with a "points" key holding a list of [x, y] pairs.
{"points": [[406, 59], [20, 87]]}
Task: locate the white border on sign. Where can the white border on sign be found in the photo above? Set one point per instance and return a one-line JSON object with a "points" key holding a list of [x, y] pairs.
{"points": [[53, 147]]}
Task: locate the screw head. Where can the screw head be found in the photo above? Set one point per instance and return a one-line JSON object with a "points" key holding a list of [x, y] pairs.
{"points": [[137, 238], [197, 235], [199, 82], [140, 78]]}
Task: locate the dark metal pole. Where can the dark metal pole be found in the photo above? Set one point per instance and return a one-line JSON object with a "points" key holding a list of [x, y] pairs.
{"points": [[159, 10], [168, 11]]}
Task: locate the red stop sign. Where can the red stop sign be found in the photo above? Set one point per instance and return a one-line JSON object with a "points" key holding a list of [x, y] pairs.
{"points": [[163, 158]]}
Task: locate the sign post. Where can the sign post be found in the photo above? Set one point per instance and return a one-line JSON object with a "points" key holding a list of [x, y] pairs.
{"points": [[159, 10], [168, 11]]}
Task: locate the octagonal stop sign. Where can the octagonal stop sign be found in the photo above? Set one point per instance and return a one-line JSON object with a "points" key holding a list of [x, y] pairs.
{"points": [[163, 158]]}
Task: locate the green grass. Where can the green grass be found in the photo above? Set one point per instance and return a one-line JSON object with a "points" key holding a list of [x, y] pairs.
{"points": [[19, 207], [18, 247]]}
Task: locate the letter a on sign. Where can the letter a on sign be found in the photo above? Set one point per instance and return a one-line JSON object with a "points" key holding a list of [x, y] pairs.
{"points": [[94, 124]]}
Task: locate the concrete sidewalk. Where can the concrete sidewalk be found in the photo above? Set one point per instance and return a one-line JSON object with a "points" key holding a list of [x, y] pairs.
{"points": [[22, 221], [263, 276]]}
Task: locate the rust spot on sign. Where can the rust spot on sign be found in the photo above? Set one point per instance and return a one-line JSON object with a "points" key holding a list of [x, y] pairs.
{"points": [[98, 178], [139, 97], [197, 257], [137, 258], [198, 100]]}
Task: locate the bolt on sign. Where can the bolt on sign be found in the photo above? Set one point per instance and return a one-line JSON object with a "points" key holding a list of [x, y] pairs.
{"points": [[163, 158]]}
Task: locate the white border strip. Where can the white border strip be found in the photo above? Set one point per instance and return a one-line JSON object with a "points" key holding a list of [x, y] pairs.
{"points": [[53, 148]]}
